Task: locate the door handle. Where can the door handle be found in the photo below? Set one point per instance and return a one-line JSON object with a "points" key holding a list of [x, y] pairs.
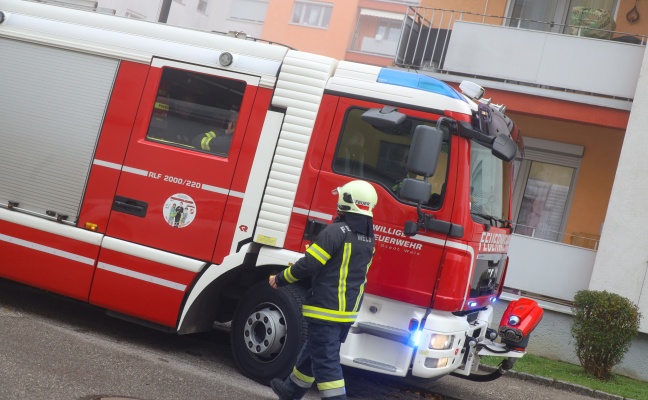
{"points": [[130, 206]]}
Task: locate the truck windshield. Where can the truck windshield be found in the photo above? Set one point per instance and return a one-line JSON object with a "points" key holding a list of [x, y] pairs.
{"points": [[490, 187], [380, 154]]}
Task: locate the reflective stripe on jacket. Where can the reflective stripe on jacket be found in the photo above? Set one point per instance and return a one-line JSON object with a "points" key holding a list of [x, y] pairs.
{"points": [[338, 263]]}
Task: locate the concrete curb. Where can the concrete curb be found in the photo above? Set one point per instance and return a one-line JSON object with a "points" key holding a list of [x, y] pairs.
{"points": [[570, 387]]}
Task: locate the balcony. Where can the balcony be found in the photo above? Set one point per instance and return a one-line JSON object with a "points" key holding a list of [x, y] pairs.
{"points": [[485, 46]]}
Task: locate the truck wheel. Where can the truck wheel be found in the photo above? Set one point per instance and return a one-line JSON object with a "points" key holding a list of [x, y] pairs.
{"points": [[268, 331]]}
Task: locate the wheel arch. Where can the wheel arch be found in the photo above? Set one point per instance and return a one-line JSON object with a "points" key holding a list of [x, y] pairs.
{"points": [[217, 292]]}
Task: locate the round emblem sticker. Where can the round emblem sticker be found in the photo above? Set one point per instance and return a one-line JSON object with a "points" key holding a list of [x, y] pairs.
{"points": [[179, 210]]}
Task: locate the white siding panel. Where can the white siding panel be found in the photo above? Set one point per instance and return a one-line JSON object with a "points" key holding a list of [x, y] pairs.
{"points": [[298, 95], [277, 201], [285, 186], [302, 113], [304, 86], [291, 146], [270, 228], [280, 176], [299, 129], [273, 219], [274, 212], [300, 88], [357, 71], [293, 151], [293, 101], [296, 137], [288, 70], [288, 161], [301, 121], [278, 192], [287, 169], [52, 105]]}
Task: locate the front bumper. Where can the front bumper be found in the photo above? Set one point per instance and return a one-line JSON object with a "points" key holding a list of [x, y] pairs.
{"points": [[379, 341]]}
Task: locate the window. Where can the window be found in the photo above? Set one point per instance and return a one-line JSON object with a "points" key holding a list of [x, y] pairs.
{"points": [[314, 14], [388, 31], [544, 186], [202, 6], [380, 155], [564, 15], [249, 10], [489, 186], [377, 32], [134, 15], [195, 111]]}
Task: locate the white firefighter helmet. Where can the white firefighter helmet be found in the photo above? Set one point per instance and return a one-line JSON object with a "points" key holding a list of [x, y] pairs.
{"points": [[357, 197]]}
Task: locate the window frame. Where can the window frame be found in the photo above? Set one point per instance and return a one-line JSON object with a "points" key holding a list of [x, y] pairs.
{"points": [[421, 121], [506, 180], [305, 4], [237, 18], [202, 6], [161, 125], [560, 15], [548, 152]]}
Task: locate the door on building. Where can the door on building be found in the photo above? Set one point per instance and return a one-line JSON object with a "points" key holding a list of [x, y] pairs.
{"points": [[560, 16], [544, 185]]}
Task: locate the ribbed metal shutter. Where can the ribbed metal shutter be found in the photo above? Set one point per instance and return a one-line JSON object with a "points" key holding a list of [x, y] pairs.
{"points": [[300, 87], [52, 103]]}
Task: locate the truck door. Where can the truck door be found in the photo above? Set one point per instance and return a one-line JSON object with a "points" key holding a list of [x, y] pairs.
{"points": [[179, 165], [404, 268], [175, 183]]}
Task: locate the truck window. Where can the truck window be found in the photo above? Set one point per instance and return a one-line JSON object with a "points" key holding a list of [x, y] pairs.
{"points": [[490, 186], [196, 111], [380, 155]]}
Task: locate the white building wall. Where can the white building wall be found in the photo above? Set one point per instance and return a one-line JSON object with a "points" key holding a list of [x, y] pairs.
{"points": [[218, 15], [621, 263], [149, 10]]}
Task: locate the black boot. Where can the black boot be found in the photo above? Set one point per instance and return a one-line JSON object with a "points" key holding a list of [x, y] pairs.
{"points": [[279, 388]]}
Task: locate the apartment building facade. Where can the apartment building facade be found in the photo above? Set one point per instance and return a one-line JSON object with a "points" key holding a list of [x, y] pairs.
{"points": [[364, 31], [572, 75]]}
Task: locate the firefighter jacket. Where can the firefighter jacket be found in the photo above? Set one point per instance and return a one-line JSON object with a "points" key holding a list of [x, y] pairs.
{"points": [[338, 263]]}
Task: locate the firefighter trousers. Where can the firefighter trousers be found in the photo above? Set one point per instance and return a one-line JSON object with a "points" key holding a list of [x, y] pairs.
{"points": [[319, 361]]}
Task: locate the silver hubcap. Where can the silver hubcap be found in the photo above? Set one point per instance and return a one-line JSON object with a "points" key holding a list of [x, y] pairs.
{"points": [[265, 332]]}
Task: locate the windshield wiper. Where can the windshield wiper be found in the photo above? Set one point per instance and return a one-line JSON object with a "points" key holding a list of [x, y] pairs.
{"points": [[492, 220]]}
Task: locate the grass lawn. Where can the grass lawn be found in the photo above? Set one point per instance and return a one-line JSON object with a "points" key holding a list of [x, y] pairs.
{"points": [[561, 371]]}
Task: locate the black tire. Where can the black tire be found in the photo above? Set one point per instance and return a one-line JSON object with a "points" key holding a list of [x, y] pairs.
{"points": [[268, 331]]}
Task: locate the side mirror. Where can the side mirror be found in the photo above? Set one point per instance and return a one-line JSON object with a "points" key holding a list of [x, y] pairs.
{"points": [[504, 148], [425, 150], [387, 117], [415, 190]]}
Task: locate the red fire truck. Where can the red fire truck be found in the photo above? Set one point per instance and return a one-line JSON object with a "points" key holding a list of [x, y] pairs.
{"points": [[162, 174]]}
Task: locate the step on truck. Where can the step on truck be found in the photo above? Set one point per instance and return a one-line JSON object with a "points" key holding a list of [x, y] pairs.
{"points": [[162, 174]]}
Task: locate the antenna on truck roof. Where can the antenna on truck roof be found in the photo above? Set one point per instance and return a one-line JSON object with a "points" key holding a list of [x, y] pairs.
{"points": [[244, 36]]}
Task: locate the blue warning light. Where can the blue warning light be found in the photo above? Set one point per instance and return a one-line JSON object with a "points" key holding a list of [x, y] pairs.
{"points": [[416, 81]]}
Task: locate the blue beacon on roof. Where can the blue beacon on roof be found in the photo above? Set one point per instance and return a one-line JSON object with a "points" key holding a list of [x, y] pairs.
{"points": [[416, 81]]}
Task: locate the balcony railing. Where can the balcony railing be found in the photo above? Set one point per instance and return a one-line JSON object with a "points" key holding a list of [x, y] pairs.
{"points": [[486, 46], [579, 239]]}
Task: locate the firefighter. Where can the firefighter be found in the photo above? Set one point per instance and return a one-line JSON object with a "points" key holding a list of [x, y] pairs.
{"points": [[337, 263], [218, 140]]}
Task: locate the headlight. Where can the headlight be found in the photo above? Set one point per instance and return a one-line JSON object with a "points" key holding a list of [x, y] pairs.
{"points": [[441, 342], [513, 320], [436, 362]]}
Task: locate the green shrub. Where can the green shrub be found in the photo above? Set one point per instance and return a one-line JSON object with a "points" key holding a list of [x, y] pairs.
{"points": [[604, 326]]}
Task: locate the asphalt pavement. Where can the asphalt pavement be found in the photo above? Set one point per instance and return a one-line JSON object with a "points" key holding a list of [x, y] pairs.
{"points": [[53, 348]]}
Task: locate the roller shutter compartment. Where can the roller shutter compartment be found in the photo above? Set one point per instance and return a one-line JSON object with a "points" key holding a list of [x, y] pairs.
{"points": [[52, 104]]}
